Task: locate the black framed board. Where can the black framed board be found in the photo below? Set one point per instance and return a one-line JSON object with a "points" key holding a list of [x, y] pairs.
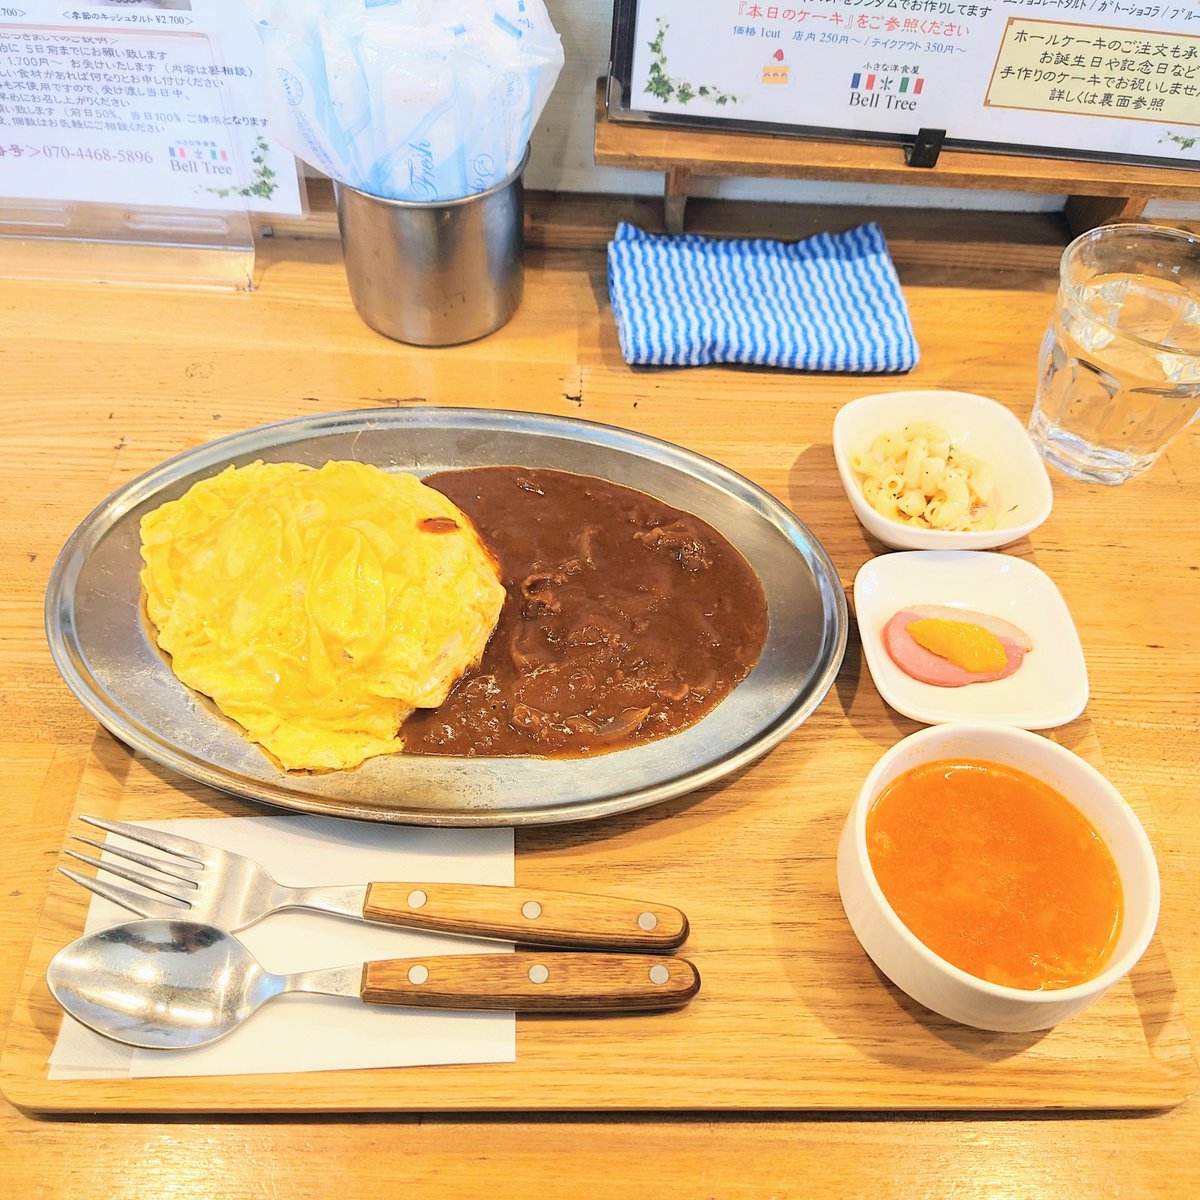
{"points": [[1111, 80]]}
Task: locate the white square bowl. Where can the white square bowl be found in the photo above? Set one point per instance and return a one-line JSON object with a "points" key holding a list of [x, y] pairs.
{"points": [[1049, 688], [979, 427]]}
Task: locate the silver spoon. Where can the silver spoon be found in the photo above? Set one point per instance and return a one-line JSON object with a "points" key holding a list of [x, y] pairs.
{"points": [[176, 984]]}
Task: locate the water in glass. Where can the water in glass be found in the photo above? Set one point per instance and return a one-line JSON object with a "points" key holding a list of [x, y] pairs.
{"points": [[1119, 374]]}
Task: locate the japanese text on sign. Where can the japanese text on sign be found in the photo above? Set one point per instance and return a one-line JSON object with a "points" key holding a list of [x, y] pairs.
{"points": [[1097, 71], [1109, 78], [121, 106]]}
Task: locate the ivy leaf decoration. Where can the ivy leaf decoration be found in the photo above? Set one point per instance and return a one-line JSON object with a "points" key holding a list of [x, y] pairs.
{"points": [[1184, 143], [661, 85], [262, 183]]}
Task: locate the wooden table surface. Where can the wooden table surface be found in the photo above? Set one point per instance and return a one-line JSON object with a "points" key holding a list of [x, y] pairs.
{"points": [[100, 382]]}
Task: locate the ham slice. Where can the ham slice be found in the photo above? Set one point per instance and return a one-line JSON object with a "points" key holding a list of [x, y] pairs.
{"points": [[927, 667]]}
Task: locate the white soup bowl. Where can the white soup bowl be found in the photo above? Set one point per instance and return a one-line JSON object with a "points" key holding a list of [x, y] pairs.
{"points": [[930, 979]]}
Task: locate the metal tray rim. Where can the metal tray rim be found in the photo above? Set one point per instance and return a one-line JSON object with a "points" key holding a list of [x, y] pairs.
{"points": [[69, 657]]}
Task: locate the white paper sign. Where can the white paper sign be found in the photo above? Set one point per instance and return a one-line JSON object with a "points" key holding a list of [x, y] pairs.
{"points": [[1107, 77], [146, 102]]}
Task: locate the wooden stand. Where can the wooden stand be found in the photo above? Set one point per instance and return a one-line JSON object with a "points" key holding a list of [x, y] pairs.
{"points": [[1098, 193]]}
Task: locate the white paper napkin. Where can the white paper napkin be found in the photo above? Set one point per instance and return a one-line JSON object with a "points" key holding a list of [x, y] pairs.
{"points": [[317, 1033]]}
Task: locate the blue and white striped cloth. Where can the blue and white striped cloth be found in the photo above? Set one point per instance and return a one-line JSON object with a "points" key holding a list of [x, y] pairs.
{"points": [[829, 303]]}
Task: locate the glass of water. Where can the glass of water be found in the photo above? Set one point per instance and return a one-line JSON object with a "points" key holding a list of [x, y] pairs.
{"points": [[1119, 373]]}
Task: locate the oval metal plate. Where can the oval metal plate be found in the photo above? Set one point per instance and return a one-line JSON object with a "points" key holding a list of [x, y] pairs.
{"points": [[101, 645]]}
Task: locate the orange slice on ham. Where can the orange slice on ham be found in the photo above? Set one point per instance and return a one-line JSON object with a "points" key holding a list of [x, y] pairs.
{"points": [[953, 647]]}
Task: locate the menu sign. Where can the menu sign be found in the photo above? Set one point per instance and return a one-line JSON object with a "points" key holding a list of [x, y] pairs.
{"points": [[1083, 78], [139, 102]]}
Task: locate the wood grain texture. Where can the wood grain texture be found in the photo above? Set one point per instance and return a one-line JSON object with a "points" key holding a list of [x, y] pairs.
{"points": [[792, 1014], [1005, 242], [535, 982], [102, 383], [530, 915]]}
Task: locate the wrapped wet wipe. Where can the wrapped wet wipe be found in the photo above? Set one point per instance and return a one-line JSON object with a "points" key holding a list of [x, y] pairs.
{"points": [[418, 100]]}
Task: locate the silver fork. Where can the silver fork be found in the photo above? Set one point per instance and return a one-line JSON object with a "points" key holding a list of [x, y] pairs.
{"points": [[217, 887]]}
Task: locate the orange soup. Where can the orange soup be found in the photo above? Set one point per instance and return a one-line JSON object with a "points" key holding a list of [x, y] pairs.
{"points": [[997, 873]]}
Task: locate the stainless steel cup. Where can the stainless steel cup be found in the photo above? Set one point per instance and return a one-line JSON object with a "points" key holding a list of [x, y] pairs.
{"points": [[435, 273]]}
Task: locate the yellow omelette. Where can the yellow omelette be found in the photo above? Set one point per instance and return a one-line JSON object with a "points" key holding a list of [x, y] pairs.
{"points": [[318, 606]]}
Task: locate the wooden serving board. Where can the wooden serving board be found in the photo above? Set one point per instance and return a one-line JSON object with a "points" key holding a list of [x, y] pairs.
{"points": [[791, 1015]]}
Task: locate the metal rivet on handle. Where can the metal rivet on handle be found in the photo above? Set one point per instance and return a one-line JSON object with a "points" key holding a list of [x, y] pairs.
{"points": [[659, 974], [647, 921], [416, 899], [418, 974], [538, 973], [531, 910]]}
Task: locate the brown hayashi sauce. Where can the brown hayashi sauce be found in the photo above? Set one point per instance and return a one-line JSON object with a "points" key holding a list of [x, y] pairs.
{"points": [[625, 619]]}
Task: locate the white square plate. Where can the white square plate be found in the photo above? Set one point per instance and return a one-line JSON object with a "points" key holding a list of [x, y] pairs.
{"points": [[1050, 687]]}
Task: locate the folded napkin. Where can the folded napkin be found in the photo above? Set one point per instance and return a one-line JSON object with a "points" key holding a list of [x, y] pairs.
{"points": [[321, 1033], [829, 303]]}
